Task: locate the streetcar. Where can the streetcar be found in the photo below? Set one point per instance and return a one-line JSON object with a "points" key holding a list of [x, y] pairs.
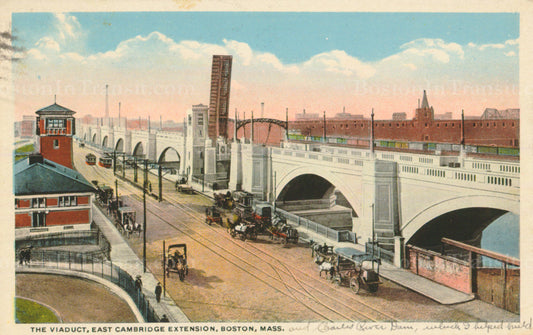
{"points": [[106, 162], [90, 159]]}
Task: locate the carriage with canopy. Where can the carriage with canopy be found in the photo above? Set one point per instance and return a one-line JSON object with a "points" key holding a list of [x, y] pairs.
{"points": [[356, 269], [176, 260]]}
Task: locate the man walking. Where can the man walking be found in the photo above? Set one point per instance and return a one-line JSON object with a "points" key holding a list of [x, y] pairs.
{"points": [[158, 291]]}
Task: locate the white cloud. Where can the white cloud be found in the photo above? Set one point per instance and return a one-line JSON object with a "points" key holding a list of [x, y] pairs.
{"points": [[47, 44], [338, 61], [184, 66], [68, 27]]}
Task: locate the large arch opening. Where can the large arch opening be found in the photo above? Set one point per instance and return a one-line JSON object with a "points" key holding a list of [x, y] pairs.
{"points": [[464, 225], [138, 150], [317, 199], [120, 145], [94, 139], [170, 160], [104, 142]]}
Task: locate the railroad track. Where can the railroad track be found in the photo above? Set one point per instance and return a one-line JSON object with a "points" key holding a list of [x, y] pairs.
{"points": [[300, 291]]}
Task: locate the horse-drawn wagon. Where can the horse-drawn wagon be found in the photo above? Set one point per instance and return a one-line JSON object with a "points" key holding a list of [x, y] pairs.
{"points": [[356, 269], [126, 221], [280, 229], [176, 260]]}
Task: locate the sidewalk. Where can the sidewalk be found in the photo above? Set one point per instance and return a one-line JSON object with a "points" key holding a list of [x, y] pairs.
{"points": [[437, 292], [127, 260]]}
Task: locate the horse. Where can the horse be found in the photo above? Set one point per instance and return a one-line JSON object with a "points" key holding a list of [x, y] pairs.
{"points": [[137, 228], [327, 268]]}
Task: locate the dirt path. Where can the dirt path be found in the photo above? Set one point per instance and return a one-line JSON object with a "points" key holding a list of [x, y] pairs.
{"points": [[76, 300]]}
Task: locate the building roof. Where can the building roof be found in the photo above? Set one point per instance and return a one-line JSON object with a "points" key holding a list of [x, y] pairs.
{"points": [[55, 109], [47, 178]]}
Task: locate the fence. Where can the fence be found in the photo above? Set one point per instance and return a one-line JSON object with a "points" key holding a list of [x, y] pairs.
{"points": [[383, 254], [339, 236], [92, 264]]}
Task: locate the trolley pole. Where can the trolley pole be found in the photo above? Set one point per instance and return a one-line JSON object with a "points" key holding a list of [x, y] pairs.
{"points": [[144, 215], [164, 271], [373, 245], [160, 174], [135, 169], [114, 162], [124, 165]]}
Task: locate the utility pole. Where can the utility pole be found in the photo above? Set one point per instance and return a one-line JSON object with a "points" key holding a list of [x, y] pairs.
{"points": [[144, 214]]}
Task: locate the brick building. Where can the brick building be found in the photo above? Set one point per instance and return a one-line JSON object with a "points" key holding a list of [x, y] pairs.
{"points": [[55, 128], [50, 196], [424, 127]]}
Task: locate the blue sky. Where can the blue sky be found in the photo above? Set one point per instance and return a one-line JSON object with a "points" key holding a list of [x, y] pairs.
{"points": [[293, 37], [159, 62]]}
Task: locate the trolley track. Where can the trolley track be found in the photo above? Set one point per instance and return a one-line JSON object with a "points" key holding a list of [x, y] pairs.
{"points": [[300, 288]]}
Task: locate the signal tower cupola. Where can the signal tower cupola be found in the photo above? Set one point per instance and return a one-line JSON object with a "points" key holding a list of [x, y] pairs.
{"points": [[55, 128]]}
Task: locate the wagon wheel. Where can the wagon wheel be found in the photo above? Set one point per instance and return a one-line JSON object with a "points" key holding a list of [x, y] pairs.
{"points": [[284, 240], [372, 288], [354, 284], [243, 237], [232, 232]]}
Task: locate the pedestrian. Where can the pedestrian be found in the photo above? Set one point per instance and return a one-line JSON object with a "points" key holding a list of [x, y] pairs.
{"points": [[138, 283], [158, 291], [164, 318]]}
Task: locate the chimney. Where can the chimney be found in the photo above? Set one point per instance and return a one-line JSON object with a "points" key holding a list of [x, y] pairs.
{"points": [[36, 158]]}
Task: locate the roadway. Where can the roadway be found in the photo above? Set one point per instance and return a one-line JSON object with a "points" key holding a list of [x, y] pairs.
{"points": [[263, 280]]}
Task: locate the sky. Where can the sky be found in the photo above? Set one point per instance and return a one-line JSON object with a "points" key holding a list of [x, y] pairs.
{"points": [[159, 64]]}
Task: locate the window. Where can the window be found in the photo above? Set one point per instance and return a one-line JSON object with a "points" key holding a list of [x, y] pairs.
{"points": [[38, 203], [55, 123], [200, 119], [67, 201], [56, 144], [189, 120]]}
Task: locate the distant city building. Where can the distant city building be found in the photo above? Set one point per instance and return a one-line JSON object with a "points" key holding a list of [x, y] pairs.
{"points": [[424, 127], [399, 116], [445, 116], [307, 116], [27, 126], [348, 116]]}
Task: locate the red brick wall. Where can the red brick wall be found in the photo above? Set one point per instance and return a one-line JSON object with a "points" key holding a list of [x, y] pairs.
{"points": [[62, 155], [448, 131], [24, 203], [51, 202], [83, 200], [67, 217], [22, 220], [443, 270]]}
